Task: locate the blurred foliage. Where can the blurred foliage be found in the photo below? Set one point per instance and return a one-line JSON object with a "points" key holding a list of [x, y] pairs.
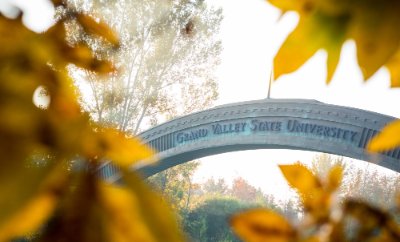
{"points": [[325, 219], [37, 184], [327, 24]]}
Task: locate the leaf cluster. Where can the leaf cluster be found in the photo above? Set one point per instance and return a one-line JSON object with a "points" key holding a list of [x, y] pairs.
{"points": [[325, 218], [327, 24], [78, 203]]}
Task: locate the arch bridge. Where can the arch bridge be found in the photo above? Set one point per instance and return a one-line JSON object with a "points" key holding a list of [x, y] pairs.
{"points": [[265, 124]]}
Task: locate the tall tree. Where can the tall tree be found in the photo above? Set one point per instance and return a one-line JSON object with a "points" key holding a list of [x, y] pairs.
{"points": [[169, 53], [209, 221], [373, 185], [215, 187], [322, 163], [176, 184], [242, 190]]}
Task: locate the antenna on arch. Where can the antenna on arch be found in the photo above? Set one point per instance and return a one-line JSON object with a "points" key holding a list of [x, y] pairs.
{"points": [[271, 78]]}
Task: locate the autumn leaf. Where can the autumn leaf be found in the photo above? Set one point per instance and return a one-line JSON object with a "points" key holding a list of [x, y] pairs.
{"points": [[79, 54], [322, 220], [98, 28], [392, 66], [327, 24], [124, 151], [373, 221], [316, 195], [387, 139], [33, 202], [398, 202], [93, 210], [300, 178], [29, 60], [83, 57], [151, 205], [78, 216], [262, 225], [125, 221], [335, 177], [297, 48]]}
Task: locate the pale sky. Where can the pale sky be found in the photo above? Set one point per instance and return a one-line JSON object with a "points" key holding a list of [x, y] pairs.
{"points": [[251, 35]]}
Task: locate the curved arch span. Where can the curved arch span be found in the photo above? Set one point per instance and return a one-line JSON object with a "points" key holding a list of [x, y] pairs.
{"points": [[267, 124]]}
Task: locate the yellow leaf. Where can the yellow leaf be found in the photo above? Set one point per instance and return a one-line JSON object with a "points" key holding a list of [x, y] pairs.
{"points": [[333, 7], [376, 35], [301, 6], [82, 56], [332, 60], [393, 67], [27, 215], [371, 220], [316, 198], [298, 48], [311, 239], [29, 218], [95, 211], [300, 178], [335, 178], [326, 24], [79, 215], [262, 225], [97, 28], [124, 215], [294, 52], [387, 139], [123, 151], [157, 215]]}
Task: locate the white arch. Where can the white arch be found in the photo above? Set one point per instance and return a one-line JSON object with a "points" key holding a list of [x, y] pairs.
{"points": [[268, 124]]}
